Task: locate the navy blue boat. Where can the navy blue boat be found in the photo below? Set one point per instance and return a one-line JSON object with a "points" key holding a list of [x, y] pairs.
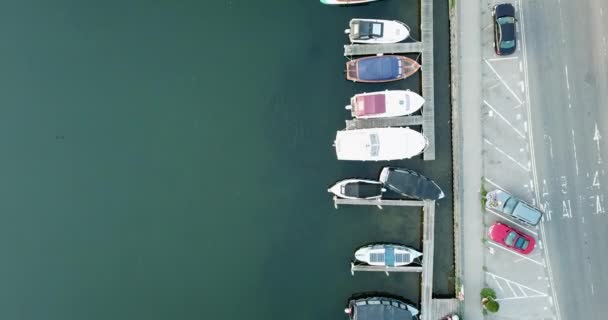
{"points": [[381, 68]]}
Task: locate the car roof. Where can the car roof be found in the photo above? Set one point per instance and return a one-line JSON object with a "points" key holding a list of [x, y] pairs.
{"points": [[526, 212]]}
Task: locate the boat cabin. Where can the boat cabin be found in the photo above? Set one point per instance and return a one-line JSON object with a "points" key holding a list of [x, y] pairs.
{"points": [[365, 30]]}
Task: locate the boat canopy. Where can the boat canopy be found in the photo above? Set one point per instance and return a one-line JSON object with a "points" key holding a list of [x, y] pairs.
{"points": [[382, 68], [362, 190], [365, 30], [381, 308], [389, 257], [370, 104]]}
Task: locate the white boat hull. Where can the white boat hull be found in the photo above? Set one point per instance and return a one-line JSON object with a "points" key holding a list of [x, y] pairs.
{"points": [[379, 144], [393, 31], [366, 255], [339, 189], [396, 103]]}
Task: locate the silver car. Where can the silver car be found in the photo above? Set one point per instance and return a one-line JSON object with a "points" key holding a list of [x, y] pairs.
{"points": [[505, 203]]}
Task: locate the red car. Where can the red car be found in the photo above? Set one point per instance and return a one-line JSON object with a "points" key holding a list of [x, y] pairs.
{"points": [[511, 238]]}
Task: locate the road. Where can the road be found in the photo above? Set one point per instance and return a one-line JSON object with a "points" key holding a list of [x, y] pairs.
{"points": [[567, 70]]}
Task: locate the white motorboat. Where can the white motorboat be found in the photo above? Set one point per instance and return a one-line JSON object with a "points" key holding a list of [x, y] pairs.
{"points": [[357, 189], [377, 31], [379, 144], [387, 255], [384, 104]]}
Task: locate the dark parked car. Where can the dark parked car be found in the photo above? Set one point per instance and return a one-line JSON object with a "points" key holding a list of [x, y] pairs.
{"points": [[504, 29]]}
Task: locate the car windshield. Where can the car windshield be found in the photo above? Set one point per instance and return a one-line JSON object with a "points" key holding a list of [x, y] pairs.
{"points": [[507, 44], [505, 20], [510, 238], [522, 243], [510, 205]]}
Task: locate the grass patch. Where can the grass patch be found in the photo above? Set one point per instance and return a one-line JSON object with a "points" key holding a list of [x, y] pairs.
{"points": [[452, 3]]}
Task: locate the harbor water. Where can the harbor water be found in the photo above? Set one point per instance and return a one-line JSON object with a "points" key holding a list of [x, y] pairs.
{"points": [[170, 160]]}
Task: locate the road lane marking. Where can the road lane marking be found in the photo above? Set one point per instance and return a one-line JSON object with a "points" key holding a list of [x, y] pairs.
{"points": [[553, 299], [596, 181], [512, 221], [597, 137], [504, 119], [527, 169], [503, 82], [574, 147]]}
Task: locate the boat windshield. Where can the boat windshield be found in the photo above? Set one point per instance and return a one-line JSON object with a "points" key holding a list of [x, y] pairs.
{"points": [[374, 142], [507, 44], [505, 20], [510, 239], [376, 30], [522, 243]]}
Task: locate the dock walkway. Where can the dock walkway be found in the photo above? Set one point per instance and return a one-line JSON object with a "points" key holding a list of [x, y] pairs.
{"points": [[428, 247], [425, 47]]}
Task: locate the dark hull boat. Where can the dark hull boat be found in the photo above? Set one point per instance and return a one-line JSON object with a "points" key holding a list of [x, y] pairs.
{"points": [[357, 189], [380, 308], [410, 184], [381, 68]]}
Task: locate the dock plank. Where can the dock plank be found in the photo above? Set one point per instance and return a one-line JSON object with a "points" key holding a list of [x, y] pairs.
{"points": [[371, 49]]}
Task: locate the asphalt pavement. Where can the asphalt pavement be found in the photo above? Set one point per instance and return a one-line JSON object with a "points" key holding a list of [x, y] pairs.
{"points": [[567, 73]]}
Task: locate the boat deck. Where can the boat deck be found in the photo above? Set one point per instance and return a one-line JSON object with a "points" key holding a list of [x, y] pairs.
{"points": [[425, 47]]}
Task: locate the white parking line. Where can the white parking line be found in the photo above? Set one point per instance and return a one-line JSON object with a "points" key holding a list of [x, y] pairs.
{"points": [[527, 169], [497, 283], [505, 120], [513, 222], [521, 288], [494, 184], [503, 82], [515, 253], [513, 291], [505, 58]]}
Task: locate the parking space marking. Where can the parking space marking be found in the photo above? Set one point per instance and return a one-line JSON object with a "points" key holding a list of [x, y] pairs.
{"points": [[526, 292], [527, 169], [503, 81], [505, 120], [497, 282], [513, 291], [515, 253], [513, 222], [494, 184], [503, 58]]}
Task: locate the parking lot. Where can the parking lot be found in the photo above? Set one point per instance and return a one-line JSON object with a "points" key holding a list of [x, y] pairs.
{"points": [[521, 281]]}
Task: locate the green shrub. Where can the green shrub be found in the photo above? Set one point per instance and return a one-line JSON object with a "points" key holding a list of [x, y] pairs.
{"points": [[488, 293]]}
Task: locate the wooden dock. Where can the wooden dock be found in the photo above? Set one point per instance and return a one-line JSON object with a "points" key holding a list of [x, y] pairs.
{"points": [[384, 122], [428, 91], [425, 47], [387, 270], [428, 251], [428, 248], [371, 49], [377, 202]]}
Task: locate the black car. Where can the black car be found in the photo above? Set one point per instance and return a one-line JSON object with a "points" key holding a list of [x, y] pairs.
{"points": [[504, 29]]}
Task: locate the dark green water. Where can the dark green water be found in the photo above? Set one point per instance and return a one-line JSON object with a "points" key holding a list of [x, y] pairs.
{"points": [[170, 159]]}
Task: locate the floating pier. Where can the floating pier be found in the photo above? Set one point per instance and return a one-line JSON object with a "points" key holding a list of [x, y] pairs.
{"points": [[428, 248], [387, 270], [370, 49], [425, 48], [384, 122]]}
